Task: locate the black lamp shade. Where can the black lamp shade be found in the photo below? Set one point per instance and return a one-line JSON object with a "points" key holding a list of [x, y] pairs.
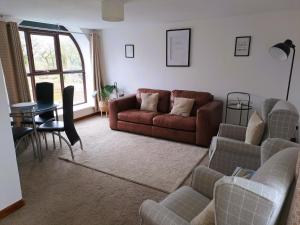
{"points": [[281, 50]]}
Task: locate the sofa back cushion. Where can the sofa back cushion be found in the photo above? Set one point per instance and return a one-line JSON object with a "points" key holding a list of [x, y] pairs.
{"points": [[201, 98], [163, 100]]}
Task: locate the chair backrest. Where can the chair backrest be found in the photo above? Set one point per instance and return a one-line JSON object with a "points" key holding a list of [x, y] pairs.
{"points": [[44, 92], [68, 115], [281, 119], [45, 95], [259, 200]]}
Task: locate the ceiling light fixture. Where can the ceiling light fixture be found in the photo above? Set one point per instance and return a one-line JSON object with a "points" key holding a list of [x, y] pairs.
{"points": [[113, 10]]}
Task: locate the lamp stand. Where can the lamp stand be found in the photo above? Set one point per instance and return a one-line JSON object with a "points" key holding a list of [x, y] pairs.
{"points": [[291, 72]]}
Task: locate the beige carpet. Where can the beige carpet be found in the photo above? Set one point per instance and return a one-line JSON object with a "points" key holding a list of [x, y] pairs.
{"points": [[155, 163]]}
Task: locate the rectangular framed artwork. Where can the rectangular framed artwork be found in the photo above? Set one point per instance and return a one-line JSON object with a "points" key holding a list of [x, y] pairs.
{"points": [[178, 47], [129, 51], [242, 46]]}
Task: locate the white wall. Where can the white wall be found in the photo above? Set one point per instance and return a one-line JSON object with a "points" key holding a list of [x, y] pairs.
{"points": [[10, 190], [213, 66]]}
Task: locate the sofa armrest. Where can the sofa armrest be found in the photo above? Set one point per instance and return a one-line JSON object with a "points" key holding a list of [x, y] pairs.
{"points": [[227, 154], [208, 120], [204, 180], [232, 131], [152, 213], [118, 105], [273, 145]]}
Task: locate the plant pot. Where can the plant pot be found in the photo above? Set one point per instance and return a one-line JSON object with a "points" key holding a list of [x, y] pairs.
{"points": [[103, 106]]}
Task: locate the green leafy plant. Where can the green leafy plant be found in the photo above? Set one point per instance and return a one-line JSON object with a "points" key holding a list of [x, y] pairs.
{"points": [[106, 91]]}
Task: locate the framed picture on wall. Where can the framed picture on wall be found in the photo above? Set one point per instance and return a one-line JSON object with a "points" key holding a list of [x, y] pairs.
{"points": [[242, 46], [178, 47], [129, 51]]}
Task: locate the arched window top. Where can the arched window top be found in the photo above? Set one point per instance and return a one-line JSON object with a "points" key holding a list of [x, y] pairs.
{"points": [[52, 54]]}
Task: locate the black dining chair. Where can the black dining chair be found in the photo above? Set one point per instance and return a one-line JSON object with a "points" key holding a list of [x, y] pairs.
{"points": [[20, 133], [44, 95], [44, 92], [67, 125]]}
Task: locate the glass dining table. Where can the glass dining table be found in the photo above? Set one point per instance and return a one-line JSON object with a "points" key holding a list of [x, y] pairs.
{"points": [[29, 110]]}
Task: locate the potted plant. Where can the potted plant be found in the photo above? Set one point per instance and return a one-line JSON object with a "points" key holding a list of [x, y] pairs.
{"points": [[104, 95]]}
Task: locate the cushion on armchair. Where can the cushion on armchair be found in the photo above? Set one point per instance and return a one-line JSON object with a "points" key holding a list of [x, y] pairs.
{"points": [[206, 217], [255, 130]]}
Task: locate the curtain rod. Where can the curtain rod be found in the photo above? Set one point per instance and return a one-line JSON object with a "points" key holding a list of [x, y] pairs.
{"points": [[59, 31]]}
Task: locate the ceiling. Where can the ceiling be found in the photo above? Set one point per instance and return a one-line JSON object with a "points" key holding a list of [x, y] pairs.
{"points": [[87, 13]]}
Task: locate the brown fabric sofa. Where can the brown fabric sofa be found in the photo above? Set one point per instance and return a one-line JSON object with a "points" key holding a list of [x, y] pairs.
{"points": [[199, 128]]}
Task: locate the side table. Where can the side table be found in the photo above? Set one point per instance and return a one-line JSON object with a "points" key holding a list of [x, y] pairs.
{"points": [[238, 101]]}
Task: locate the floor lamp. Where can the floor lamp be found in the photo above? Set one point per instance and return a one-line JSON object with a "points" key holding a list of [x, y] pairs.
{"points": [[282, 51]]}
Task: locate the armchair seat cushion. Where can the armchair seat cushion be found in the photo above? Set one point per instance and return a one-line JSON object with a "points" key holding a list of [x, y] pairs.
{"points": [[186, 203], [137, 116], [175, 122]]}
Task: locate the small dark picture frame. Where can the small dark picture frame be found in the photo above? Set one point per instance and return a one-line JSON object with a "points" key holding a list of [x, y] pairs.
{"points": [[129, 51], [242, 46]]}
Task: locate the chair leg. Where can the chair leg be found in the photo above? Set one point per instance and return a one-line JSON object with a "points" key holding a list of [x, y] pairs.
{"points": [[65, 140], [60, 144], [46, 142], [33, 146], [81, 147], [54, 145]]}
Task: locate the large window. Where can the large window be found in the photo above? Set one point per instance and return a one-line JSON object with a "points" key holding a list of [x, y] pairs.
{"points": [[54, 57]]}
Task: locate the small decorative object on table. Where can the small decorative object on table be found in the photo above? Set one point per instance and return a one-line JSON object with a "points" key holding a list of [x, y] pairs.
{"points": [[239, 101]]}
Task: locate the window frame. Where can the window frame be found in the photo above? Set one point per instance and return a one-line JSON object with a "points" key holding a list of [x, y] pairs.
{"points": [[59, 67]]}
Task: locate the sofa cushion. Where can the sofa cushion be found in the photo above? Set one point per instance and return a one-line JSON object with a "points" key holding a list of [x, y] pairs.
{"points": [[182, 106], [137, 116], [163, 100], [186, 203], [201, 98], [175, 122], [149, 102]]}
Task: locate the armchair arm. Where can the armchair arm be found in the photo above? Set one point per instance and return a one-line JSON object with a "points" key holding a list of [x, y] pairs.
{"points": [[208, 120], [273, 145], [152, 213], [204, 180], [239, 199], [118, 105], [227, 154], [232, 131]]}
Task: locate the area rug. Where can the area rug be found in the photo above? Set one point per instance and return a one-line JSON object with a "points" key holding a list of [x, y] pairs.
{"points": [[156, 163]]}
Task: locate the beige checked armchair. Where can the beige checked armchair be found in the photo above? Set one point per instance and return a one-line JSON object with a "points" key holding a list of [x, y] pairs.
{"points": [[228, 149], [236, 200]]}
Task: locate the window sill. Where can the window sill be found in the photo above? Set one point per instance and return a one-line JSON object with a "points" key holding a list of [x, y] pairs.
{"points": [[80, 110]]}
